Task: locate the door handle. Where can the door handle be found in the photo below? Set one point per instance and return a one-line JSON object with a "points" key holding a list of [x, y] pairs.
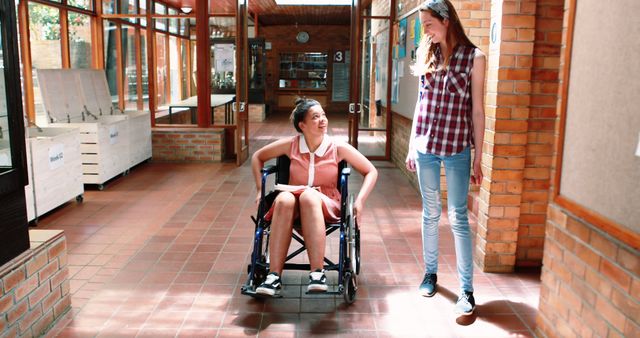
{"points": [[352, 108]]}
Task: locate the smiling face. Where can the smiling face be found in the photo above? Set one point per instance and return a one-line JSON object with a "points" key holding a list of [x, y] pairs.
{"points": [[433, 27], [315, 122]]}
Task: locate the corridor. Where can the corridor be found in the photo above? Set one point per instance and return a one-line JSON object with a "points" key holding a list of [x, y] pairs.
{"points": [[163, 252]]}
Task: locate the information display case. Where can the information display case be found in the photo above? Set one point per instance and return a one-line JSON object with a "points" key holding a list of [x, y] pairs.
{"points": [[303, 70]]}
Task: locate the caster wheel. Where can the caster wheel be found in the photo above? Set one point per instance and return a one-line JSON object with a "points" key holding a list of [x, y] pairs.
{"points": [[100, 187], [79, 198], [350, 288]]}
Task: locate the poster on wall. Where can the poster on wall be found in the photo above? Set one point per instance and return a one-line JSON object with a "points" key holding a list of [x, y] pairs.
{"points": [[224, 55], [382, 57], [417, 35], [402, 38], [394, 82]]}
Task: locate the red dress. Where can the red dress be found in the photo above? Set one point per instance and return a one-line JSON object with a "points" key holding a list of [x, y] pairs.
{"points": [[318, 170]]}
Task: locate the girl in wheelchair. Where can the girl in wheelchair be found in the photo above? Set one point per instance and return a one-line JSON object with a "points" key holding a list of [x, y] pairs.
{"points": [[314, 197]]}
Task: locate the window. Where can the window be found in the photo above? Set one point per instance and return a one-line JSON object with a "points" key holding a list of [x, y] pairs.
{"points": [[79, 40], [130, 75], [46, 52]]}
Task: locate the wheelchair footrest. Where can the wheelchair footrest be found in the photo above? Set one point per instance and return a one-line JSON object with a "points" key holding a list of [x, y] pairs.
{"points": [[251, 292]]}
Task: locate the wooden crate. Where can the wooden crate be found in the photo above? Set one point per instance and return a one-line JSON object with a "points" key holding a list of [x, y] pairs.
{"points": [[139, 136], [55, 168], [70, 100]]}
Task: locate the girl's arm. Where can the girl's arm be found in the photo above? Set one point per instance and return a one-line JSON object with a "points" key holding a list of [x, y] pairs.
{"points": [[363, 166], [272, 150], [477, 111]]}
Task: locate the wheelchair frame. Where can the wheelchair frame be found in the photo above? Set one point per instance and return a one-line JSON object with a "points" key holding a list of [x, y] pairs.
{"points": [[348, 265]]}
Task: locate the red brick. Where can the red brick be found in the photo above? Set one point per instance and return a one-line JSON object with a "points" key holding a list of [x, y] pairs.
{"points": [[6, 302], [62, 306], [48, 271], [578, 229], [27, 287], [56, 249], [587, 255], [3, 324], [13, 279], [50, 300], [610, 313], [629, 260], [36, 263], [626, 303], [581, 288], [30, 318], [17, 311], [603, 245], [615, 274], [36, 296], [602, 286], [631, 329], [59, 277], [40, 326]]}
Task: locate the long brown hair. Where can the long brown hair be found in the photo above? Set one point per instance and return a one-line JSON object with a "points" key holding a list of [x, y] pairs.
{"points": [[425, 55]]}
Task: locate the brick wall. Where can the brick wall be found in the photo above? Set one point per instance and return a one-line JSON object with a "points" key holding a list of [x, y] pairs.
{"points": [[590, 281], [190, 144], [541, 131], [34, 287]]}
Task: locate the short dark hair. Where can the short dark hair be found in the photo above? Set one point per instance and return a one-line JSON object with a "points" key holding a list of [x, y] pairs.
{"points": [[300, 111]]}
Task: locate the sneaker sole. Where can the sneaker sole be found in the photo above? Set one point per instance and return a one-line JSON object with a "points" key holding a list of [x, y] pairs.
{"points": [[266, 292], [424, 293], [467, 313], [317, 288]]}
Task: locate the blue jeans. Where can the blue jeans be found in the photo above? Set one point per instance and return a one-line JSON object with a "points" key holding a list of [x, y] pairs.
{"points": [[457, 170]]}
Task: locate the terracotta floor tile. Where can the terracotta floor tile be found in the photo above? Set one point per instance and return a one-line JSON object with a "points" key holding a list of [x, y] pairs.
{"points": [[177, 271]]}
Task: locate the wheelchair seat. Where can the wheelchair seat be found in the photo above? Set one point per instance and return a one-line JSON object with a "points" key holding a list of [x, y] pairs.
{"points": [[348, 265]]}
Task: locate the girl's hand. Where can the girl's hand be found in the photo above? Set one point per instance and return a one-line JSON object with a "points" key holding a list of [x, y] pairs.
{"points": [[477, 171], [357, 208], [410, 162]]}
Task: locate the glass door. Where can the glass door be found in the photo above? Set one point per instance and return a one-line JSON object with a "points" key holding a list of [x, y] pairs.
{"points": [[241, 105], [14, 233], [369, 110]]}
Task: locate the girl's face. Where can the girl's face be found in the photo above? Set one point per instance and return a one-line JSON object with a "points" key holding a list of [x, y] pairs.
{"points": [[315, 123], [433, 27]]}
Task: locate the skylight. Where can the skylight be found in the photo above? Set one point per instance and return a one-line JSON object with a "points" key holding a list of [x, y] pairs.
{"points": [[313, 2]]}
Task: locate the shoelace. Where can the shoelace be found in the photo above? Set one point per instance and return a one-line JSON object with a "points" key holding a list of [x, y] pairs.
{"points": [[317, 275], [429, 279]]}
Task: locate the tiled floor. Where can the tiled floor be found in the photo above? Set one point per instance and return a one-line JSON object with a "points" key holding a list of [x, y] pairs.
{"points": [[163, 252]]}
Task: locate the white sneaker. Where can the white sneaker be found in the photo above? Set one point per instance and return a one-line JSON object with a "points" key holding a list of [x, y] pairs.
{"points": [[271, 285], [317, 281]]}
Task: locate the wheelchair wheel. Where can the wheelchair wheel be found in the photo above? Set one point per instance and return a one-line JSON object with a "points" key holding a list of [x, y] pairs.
{"points": [[350, 287], [353, 239]]}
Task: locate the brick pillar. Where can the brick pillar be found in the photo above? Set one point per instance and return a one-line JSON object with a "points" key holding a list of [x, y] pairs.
{"points": [[512, 35]]}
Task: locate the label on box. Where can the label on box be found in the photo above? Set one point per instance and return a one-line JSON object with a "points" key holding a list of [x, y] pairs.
{"points": [[113, 135], [56, 156]]}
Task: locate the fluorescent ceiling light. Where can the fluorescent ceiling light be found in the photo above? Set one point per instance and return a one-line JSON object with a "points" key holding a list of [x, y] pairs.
{"points": [[313, 2]]}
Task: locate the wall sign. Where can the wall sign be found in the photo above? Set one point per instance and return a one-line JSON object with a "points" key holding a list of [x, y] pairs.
{"points": [[338, 56], [56, 156], [113, 135]]}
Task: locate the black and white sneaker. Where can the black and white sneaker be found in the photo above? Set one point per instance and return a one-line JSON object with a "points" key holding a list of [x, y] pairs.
{"points": [[271, 285], [317, 281], [466, 304]]}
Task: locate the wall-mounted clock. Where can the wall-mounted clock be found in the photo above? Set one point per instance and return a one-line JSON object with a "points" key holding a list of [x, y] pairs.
{"points": [[302, 37]]}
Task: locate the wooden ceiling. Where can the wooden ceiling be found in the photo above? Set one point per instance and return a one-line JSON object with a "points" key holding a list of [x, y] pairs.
{"points": [[269, 13]]}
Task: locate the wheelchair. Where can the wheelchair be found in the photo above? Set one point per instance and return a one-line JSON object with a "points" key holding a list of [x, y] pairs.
{"points": [[348, 265]]}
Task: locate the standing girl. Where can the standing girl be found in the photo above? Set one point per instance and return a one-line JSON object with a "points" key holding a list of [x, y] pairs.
{"points": [[448, 121]]}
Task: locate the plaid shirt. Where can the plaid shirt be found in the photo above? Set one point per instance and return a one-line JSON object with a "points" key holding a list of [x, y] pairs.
{"points": [[444, 126]]}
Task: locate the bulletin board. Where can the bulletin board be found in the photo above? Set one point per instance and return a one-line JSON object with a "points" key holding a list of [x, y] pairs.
{"points": [[404, 84], [600, 166]]}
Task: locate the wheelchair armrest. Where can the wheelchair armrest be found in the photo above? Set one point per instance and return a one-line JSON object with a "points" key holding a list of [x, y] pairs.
{"points": [[269, 169]]}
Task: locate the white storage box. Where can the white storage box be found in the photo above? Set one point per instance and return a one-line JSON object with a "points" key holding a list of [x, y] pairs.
{"points": [[70, 101], [55, 168]]}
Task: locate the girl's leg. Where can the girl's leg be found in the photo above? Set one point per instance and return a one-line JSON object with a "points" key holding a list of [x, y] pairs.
{"points": [[428, 169], [457, 170], [281, 229], [313, 228]]}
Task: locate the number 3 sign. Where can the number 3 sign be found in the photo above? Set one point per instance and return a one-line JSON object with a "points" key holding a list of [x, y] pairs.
{"points": [[338, 56]]}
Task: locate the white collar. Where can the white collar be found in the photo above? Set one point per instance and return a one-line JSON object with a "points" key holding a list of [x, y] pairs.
{"points": [[322, 149]]}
